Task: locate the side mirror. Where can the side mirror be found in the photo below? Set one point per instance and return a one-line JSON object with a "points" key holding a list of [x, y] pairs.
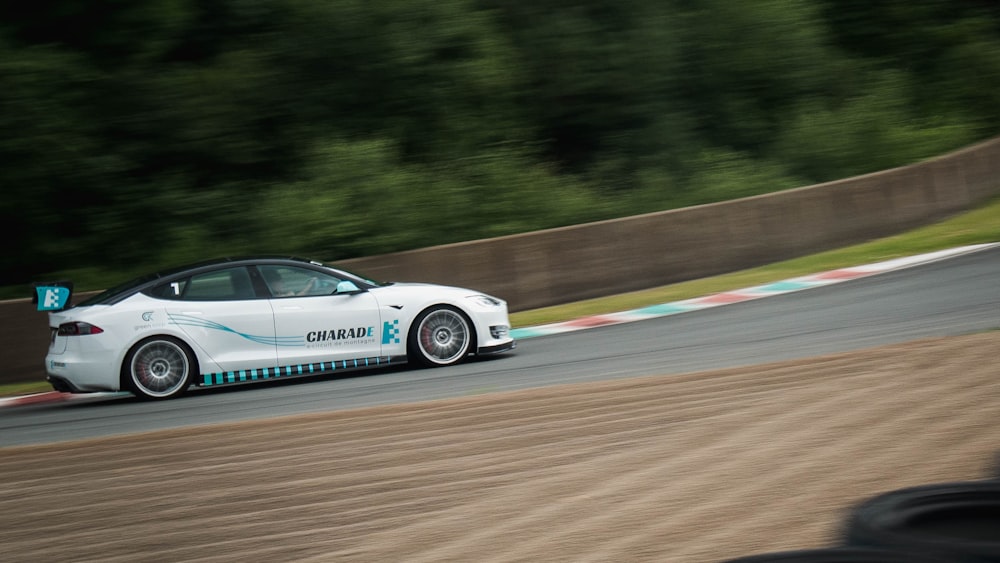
{"points": [[348, 288]]}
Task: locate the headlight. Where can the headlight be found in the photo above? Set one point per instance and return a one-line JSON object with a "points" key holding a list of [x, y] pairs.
{"points": [[486, 300]]}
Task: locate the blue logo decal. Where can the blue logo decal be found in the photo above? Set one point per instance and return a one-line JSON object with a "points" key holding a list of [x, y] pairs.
{"points": [[52, 298], [390, 332]]}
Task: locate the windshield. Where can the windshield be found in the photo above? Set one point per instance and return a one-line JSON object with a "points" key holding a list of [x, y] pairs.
{"points": [[363, 278]]}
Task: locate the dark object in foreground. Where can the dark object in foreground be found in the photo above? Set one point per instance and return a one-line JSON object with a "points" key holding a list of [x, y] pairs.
{"points": [[840, 555], [957, 521]]}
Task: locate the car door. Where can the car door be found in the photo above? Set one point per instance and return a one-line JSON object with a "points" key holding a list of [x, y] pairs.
{"points": [[222, 316], [316, 326]]}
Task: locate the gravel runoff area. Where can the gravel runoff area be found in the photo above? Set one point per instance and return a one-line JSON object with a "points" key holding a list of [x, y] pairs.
{"points": [[689, 468]]}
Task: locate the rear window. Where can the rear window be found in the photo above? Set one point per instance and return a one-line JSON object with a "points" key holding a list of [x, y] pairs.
{"points": [[117, 293]]}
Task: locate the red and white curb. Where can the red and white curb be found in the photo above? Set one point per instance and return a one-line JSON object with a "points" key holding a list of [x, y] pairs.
{"points": [[653, 311], [52, 397], [741, 295]]}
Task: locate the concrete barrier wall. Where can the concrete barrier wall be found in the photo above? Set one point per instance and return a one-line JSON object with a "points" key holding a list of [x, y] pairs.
{"points": [[597, 259], [561, 265]]}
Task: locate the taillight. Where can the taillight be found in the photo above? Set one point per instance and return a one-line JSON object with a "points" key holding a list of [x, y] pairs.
{"points": [[78, 329]]}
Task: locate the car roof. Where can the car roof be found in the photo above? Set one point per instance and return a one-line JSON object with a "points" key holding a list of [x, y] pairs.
{"points": [[243, 260]]}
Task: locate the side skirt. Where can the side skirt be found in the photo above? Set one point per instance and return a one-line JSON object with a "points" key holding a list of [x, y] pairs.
{"points": [[284, 372]]}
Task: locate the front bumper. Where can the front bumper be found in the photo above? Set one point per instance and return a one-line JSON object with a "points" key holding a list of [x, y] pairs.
{"points": [[496, 349]]}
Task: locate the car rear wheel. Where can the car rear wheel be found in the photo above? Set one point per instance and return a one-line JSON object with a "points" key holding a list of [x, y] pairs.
{"points": [[158, 368], [441, 336]]}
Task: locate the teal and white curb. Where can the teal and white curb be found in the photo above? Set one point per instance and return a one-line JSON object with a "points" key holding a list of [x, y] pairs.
{"points": [[741, 295]]}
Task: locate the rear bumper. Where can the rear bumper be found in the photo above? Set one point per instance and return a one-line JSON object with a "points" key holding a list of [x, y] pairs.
{"points": [[64, 385], [77, 372]]}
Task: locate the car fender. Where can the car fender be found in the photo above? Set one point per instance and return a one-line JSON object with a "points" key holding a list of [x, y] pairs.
{"points": [[405, 301], [148, 318]]}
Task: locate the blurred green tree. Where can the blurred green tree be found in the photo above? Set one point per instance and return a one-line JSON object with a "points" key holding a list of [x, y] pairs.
{"points": [[144, 134]]}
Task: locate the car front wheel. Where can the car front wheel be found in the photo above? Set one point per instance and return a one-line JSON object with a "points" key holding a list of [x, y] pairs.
{"points": [[158, 368], [441, 336]]}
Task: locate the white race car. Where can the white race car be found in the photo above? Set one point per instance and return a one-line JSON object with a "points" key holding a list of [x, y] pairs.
{"points": [[256, 319]]}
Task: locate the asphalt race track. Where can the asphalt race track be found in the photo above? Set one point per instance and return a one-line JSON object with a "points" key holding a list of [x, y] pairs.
{"points": [[951, 297]]}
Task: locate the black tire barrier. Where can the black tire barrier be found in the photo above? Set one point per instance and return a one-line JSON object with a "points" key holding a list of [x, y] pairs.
{"points": [[841, 555], [957, 521]]}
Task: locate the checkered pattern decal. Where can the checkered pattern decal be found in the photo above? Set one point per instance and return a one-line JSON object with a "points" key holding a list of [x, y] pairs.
{"points": [[390, 332], [318, 368]]}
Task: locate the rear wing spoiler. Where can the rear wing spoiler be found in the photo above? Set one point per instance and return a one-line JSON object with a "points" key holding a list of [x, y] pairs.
{"points": [[52, 296]]}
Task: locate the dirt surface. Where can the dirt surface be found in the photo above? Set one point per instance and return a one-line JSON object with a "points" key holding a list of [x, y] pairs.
{"points": [[698, 467]]}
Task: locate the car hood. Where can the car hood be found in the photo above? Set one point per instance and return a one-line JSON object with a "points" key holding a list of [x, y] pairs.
{"points": [[416, 288], [425, 293]]}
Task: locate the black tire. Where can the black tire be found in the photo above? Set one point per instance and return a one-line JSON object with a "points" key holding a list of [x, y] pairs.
{"points": [[959, 521], [440, 336], [839, 555], [159, 367]]}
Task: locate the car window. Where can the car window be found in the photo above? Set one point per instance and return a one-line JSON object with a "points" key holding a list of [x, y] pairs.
{"points": [[229, 284], [289, 281]]}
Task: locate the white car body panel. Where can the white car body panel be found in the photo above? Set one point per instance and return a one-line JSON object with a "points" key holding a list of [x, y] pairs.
{"points": [[327, 328], [230, 336]]}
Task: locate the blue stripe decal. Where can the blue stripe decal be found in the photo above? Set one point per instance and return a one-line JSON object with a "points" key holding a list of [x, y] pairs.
{"points": [[197, 322]]}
